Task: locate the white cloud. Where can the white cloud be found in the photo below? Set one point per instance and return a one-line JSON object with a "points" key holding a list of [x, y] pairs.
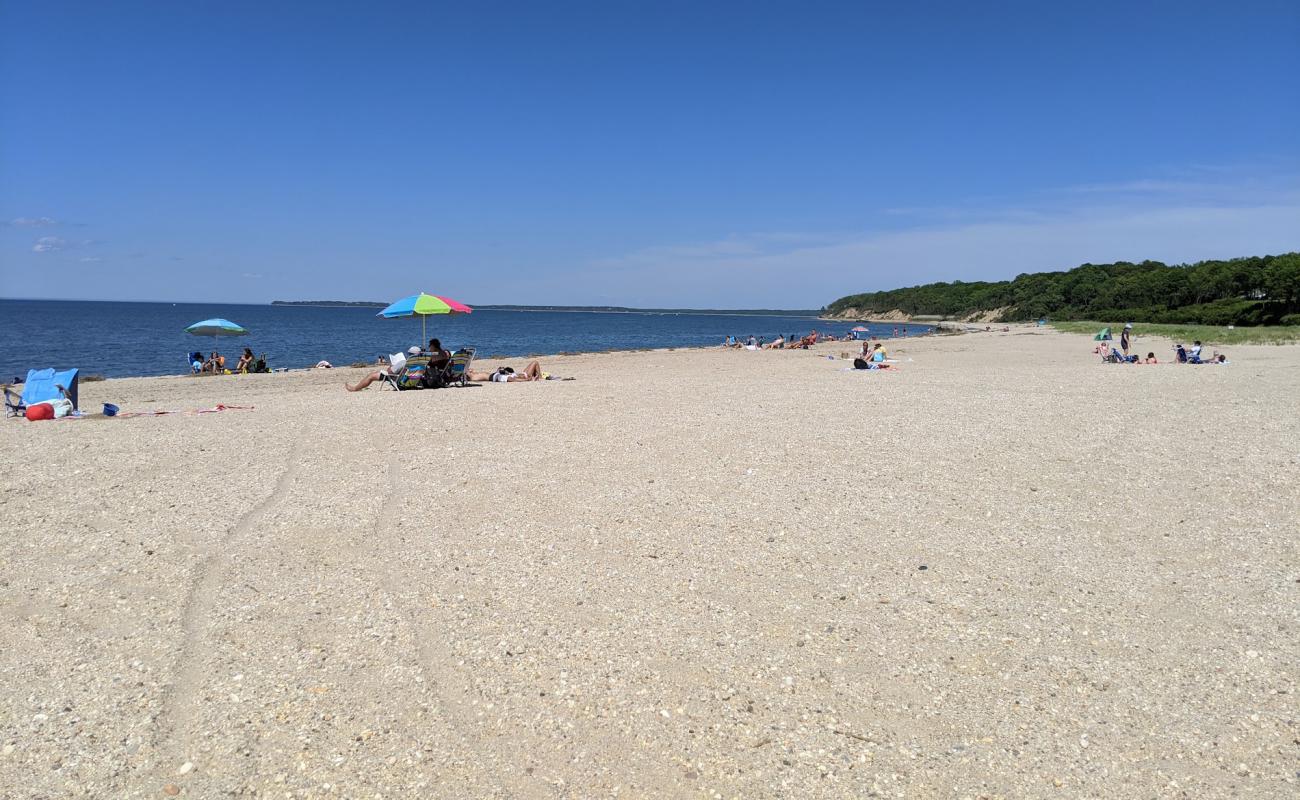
{"points": [[49, 244], [1144, 186], [751, 272], [53, 244], [33, 222]]}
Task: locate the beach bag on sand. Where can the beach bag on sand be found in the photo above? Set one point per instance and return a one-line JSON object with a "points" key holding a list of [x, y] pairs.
{"points": [[433, 378]]}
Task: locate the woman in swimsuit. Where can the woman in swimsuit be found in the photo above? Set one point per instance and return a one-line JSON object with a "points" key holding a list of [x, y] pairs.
{"points": [[532, 372]]}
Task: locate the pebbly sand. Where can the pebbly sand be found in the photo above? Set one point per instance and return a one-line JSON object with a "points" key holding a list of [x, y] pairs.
{"points": [[1005, 570]]}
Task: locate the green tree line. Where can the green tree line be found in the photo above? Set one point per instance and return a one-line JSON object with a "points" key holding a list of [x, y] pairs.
{"points": [[1258, 290]]}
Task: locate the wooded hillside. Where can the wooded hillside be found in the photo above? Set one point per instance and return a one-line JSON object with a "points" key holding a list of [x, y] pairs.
{"points": [[1259, 290]]}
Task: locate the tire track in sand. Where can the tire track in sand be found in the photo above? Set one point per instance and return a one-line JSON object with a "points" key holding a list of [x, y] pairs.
{"points": [[450, 688], [453, 690], [182, 700]]}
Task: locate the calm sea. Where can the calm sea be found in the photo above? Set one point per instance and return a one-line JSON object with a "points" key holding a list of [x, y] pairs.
{"points": [[123, 339]]}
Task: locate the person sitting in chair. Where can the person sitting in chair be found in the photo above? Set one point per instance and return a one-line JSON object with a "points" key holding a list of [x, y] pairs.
{"points": [[216, 364], [438, 357], [245, 361], [380, 373]]}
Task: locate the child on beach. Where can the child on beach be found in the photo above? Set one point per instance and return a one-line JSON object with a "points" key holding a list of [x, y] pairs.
{"points": [[1150, 359]]}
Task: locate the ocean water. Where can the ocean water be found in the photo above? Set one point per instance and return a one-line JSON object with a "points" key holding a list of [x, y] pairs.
{"points": [[124, 339]]}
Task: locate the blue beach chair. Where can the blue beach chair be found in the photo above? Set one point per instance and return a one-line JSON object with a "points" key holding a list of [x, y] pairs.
{"points": [[41, 386], [457, 370]]}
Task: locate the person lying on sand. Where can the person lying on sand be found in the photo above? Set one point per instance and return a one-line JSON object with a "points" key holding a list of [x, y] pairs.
{"points": [[776, 344], [532, 372]]}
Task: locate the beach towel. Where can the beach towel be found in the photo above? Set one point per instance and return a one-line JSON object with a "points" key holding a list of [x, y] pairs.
{"points": [[160, 413]]}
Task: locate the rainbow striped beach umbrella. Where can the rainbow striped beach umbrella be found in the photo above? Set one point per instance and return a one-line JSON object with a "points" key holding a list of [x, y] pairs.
{"points": [[424, 305]]}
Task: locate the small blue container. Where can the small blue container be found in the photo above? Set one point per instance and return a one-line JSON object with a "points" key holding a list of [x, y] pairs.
{"points": [[110, 410]]}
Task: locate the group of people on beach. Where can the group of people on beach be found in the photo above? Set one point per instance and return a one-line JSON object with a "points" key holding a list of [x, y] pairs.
{"points": [[791, 342], [216, 363], [1182, 353], [436, 357]]}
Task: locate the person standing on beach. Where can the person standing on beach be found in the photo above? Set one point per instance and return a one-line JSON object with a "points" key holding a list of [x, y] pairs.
{"points": [[1123, 337]]}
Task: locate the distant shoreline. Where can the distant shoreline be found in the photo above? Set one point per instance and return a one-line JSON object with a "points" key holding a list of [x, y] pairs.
{"points": [[712, 312]]}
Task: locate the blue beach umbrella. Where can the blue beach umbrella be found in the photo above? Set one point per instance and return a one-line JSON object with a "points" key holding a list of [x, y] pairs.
{"points": [[216, 328]]}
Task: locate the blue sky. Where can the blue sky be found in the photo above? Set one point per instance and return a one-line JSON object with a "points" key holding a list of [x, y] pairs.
{"points": [[684, 154]]}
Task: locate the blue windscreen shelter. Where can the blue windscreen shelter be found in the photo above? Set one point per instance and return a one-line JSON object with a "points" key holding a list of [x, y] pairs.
{"points": [[43, 385]]}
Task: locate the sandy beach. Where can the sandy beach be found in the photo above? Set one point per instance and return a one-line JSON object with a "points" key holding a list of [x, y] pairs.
{"points": [[1002, 570]]}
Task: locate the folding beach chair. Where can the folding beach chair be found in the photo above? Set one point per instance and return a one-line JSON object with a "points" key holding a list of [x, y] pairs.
{"points": [[416, 374], [42, 385], [456, 373], [396, 366]]}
